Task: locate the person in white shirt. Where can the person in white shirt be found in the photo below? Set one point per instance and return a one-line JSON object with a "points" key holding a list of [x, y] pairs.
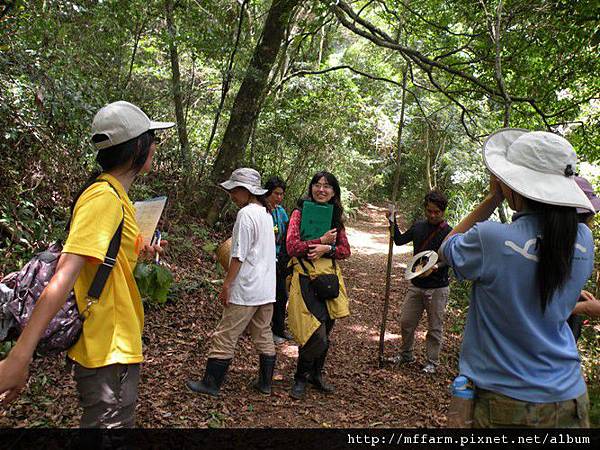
{"points": [[248, 291]]}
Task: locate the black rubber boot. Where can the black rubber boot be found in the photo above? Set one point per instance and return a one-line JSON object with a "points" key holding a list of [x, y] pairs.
{"points": [[265, 374], [302, 371], [213, 377], [316, 375]]}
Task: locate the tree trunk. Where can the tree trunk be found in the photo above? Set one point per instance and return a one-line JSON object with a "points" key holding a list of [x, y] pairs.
{"points": [[396, 188], [321, 46], [227, 76], [438, 156], [427, 159], [136, 42], [496, 36], [247, 103], [176, 90]]}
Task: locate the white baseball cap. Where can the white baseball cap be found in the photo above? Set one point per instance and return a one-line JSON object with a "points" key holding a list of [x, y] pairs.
{"points": [[537, 164], [122, 121]]}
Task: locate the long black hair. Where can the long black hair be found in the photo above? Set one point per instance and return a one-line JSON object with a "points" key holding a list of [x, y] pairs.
{"points": [[555, 247], [134, 151], [338, 210]]}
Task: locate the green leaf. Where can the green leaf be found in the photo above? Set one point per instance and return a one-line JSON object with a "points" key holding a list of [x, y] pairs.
{"points": [[160, 295], [163, 276], [210, 247], [154, 282]]}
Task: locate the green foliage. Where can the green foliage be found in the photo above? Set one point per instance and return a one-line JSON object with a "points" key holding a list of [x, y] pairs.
{"points": [[216, 419], [61, 61], [154, 282], [5, 348], [594, 394]]}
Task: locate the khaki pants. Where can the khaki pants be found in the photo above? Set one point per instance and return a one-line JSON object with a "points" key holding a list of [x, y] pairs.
{"points": [[434, 302], [235, 320], [107, 395], [493, 410]]}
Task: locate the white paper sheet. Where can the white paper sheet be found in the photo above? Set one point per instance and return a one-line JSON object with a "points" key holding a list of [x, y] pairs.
{"points": [[147, 215]]}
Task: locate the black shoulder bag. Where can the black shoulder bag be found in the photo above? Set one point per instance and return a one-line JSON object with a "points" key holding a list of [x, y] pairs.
{"points": [[326, 286]]}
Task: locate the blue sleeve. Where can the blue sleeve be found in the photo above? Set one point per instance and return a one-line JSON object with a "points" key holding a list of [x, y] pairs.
{"points": [[284, 216], [464, 253]]}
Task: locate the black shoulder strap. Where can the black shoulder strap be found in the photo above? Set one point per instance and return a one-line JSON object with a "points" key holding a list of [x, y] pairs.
{"points": [[302, 265], [312, 264], [433, 234], [110, 259]]}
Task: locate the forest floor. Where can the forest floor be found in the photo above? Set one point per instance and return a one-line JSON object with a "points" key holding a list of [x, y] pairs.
{"points": [[177, 336]]}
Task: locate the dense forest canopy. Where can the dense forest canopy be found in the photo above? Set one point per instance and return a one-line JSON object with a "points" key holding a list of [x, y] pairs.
{"points": [[287, 87], [395, 97]]}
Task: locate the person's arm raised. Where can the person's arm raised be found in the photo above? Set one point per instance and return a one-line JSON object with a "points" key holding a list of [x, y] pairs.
{"points": [[14, 370], [483, 211]]}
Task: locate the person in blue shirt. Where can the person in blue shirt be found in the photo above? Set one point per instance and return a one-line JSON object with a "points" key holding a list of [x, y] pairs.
{"points": [[275, 187], [527, 275]]}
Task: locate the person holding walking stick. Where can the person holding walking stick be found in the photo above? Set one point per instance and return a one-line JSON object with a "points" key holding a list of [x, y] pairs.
{"points": [[429, 291]]}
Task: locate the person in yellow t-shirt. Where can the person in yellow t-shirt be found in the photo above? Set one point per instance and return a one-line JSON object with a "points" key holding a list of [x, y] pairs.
{"points": [[106, 358]]}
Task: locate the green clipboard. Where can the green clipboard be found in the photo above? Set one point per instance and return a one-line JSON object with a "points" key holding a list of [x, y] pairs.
{"points": [[316, 220]]}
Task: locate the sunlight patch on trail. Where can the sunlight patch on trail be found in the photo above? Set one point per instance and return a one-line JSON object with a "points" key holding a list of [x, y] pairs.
{"points": [[371, 243], [373, 334], [288, 349]]}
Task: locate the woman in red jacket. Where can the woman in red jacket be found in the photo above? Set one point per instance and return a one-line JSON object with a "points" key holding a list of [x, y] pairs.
{"points": [[310, 317]]}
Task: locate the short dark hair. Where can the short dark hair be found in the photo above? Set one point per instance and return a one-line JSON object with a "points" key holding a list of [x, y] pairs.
{"points": [[437, 198], [274, 183], [134, 151]]}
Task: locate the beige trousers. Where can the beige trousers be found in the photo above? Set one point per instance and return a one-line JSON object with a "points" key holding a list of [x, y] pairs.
{"points": [[434, 302], [234, 321]]}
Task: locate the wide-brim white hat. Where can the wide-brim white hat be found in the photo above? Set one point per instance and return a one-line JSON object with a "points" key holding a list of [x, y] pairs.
{"points": [[246, 178], [411, 273], [536, 164]]}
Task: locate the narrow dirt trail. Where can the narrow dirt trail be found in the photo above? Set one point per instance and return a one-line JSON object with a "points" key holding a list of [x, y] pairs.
{"points": [[177, 336], [366, 396]]}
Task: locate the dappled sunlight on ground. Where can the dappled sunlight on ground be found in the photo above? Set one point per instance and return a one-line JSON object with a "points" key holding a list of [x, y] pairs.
{"points": [[288, 349], [368, 233], [371, 333], [370, 242]]}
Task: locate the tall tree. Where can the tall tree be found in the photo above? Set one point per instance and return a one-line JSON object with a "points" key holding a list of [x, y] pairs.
{"points": [[227, 77], [247, 102], [467, 54], [176, 88]]}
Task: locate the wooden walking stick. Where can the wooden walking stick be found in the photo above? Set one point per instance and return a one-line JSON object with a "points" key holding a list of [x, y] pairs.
{"points": [[386, 301]]}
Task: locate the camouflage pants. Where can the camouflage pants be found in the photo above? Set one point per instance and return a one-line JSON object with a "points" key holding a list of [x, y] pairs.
{"points": [[493, 410]]}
